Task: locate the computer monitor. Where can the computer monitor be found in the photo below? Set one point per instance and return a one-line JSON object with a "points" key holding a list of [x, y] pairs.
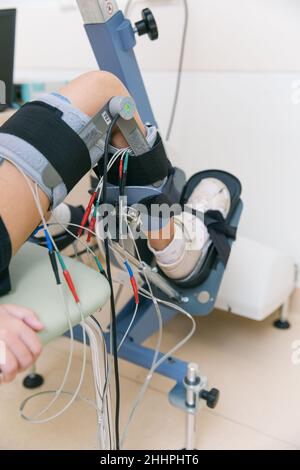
{"points": [[7, 52]]}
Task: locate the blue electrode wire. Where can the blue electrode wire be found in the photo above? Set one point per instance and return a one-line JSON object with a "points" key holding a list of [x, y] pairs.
{"points": [[48, 241], [129, 269]]}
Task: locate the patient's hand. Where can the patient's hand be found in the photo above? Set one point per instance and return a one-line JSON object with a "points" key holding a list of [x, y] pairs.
{"points": [[18, 328]]}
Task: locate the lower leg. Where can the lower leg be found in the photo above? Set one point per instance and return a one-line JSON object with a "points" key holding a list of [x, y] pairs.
{"points": [[91, 92], [176, 253]]}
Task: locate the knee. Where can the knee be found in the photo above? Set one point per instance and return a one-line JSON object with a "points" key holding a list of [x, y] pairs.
{"points": [[105, 82], [91, 91]]}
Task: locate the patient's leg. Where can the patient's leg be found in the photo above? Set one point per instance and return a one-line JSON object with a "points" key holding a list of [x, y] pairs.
{"points": [[180, 244]]}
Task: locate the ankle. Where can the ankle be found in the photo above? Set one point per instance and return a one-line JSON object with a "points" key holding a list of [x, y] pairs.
{"points": [[159, 241]]}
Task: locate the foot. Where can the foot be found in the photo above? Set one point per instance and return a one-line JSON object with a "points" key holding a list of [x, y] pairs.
{"points": [[191, 239]]}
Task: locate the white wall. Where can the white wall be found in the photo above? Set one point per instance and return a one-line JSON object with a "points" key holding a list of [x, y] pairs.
{"points": [[236, 109], [239, 35], [246, 124]]}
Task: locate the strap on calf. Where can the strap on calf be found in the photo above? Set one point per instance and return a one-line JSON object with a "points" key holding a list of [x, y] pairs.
{"points": [[143, 170], [42, 126]]}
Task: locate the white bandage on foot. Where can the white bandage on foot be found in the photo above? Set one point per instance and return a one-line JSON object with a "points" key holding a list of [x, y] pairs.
{"points": [[191, 239]]}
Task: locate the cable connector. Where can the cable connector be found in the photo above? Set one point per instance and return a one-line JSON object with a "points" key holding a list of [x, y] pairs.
{"points": [[133, 282], [93, 222], [54, 267], [68, 278]]}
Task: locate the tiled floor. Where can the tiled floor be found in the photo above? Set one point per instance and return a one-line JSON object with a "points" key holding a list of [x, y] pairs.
{"points": [[249, 362]]}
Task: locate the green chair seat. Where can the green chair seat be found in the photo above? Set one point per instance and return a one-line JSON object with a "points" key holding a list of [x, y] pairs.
{"points": [[34, 287]]}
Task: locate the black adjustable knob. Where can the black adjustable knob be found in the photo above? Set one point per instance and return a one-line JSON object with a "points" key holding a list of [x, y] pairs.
{"points": [[147, 25], [211, 397]]}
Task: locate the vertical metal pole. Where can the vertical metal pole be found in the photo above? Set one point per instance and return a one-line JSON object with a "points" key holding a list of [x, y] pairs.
{"points": [[112, 39], [284, 311], [192, 382]]}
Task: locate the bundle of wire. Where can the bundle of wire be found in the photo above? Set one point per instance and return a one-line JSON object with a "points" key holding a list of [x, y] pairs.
{"points": [[101, 190], [54, 255], [53, 252], [156, 363]]}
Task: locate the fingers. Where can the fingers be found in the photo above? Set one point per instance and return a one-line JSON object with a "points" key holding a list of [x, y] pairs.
{"points": [[9, 370], [26, 315], [31, 340], [21, 352], [20, 339], [18, 327]]}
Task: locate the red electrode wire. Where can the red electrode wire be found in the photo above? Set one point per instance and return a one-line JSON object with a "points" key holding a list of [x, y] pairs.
{"points": [[135, 290], [93, 222], [86, 214], [133, 282], [68, 278], [121, 169]]}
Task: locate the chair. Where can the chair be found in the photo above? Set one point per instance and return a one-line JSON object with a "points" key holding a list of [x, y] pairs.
{"points": [[34, 287]]}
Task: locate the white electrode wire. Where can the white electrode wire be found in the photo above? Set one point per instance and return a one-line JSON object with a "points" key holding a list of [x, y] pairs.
{"points": [[157, 363], [127, 7], [157, 309], [157, 349], [81, 241], [39, 208], [68, 368], [65, 392], [149, 295], [92, 252], [66, 309], [76, 237], [60, 389], [105, 388], [180, 63], [75, 393], [180, 69], [106, 401], [129, 327], [119, 153], [179, 345]]}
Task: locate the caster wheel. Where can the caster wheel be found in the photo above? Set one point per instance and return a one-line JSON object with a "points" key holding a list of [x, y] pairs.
{"points": [[281, 325], [33, 381]]}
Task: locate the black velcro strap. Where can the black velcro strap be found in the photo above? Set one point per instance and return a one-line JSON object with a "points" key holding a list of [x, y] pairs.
{"points": [[143, 170], [219, 231], [5, 257], [41, 125]]}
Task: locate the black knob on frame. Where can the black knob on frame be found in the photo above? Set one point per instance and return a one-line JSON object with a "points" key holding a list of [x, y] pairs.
{"points": [[147, 25], [211, 397]]}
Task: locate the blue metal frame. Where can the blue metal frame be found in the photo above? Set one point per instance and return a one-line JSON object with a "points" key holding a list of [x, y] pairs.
{"points": [[113, 42], [146, 324]]}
